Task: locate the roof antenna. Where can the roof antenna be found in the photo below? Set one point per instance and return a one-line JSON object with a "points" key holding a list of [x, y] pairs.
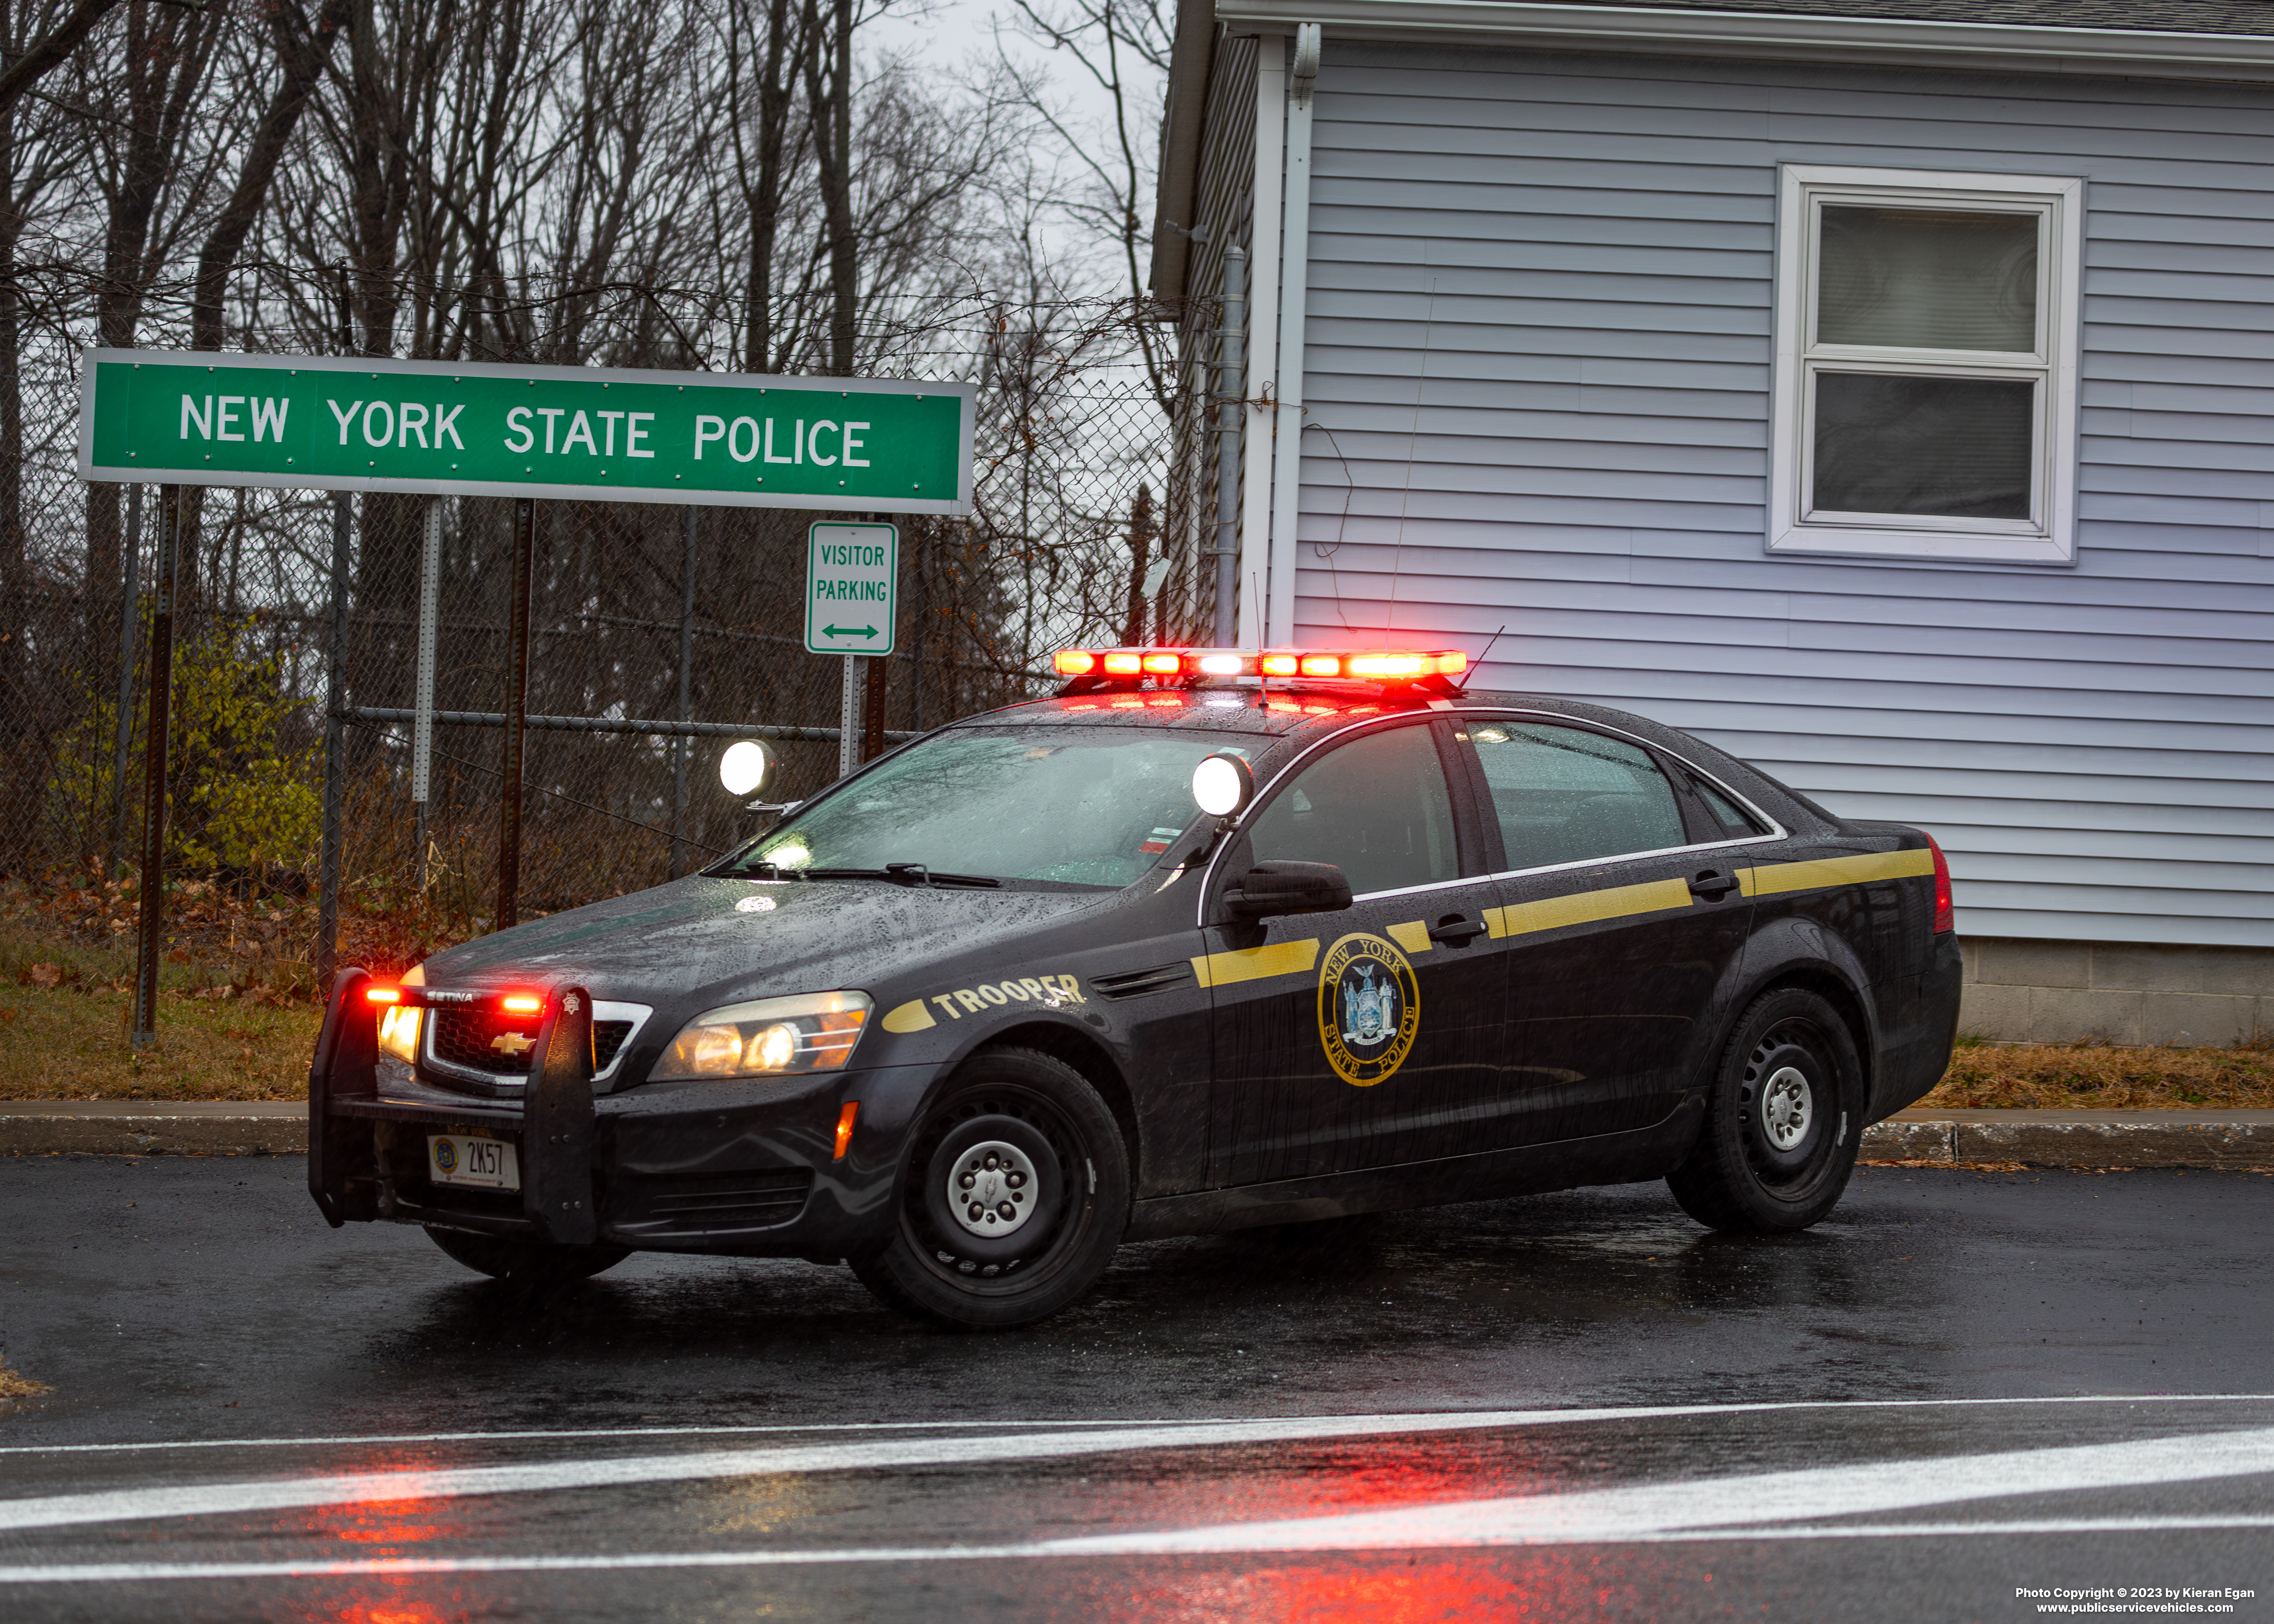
{"points": [[1488, 646]]}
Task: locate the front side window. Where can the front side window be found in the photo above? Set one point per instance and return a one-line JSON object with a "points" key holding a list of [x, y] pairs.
{"points": [[1377, 807], [1926, 366], [1565, 795]]}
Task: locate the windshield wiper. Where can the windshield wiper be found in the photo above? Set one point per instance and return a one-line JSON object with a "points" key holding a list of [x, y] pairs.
{"points": [[904, 873]]}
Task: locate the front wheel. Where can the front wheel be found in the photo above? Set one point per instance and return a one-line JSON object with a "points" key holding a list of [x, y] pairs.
{"points": [[1013, 1197], [532, 1265], [1781, 1123]]}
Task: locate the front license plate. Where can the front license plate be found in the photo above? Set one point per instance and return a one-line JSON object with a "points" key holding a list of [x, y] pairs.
{"points": [[460, 1159]]}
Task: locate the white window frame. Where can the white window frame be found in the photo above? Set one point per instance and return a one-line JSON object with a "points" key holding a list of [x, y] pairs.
{"points": [[2049, 535]]}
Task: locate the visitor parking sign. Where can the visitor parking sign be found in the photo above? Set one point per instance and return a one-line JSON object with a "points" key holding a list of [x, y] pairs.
{"points": [[851, 572]]}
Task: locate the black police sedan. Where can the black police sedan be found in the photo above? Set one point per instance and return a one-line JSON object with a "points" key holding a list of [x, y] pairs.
{"points": [[1210, 940]]}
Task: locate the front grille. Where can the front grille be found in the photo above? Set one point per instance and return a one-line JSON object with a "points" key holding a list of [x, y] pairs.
{"points": [[470, 1038]]}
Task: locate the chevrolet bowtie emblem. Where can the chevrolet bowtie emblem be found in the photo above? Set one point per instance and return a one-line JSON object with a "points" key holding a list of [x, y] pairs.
{"points": [[512, 1043]]}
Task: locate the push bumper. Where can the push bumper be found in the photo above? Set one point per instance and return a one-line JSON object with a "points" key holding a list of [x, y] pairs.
{"points": [[746, 1167]]}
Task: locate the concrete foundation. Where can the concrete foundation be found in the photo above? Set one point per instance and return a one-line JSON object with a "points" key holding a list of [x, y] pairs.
{"points": [[2066, 992]]}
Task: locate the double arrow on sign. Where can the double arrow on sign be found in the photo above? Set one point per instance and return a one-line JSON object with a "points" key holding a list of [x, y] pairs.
{"points": [[848, 631]]}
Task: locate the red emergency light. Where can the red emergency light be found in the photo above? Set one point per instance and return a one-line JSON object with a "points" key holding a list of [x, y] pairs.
{"points": [[1089, 669]]}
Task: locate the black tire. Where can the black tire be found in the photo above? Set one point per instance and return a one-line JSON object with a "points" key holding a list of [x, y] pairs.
{"points": [[529, 1264], [1012, 1126], [1781, 1123]]}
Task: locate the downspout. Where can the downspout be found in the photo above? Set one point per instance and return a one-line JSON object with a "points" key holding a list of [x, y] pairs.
{"points": [[1294, 284], [1262, 332]]}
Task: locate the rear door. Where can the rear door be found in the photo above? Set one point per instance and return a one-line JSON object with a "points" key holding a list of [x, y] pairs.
{"points": [[1619, 914], [1358, 1039]]}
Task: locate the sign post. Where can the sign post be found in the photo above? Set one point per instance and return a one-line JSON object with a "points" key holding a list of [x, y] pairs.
{"points": [[852, 587]]}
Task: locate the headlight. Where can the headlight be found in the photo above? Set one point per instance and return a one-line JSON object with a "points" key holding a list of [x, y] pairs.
{"points": [[767, 1037], [398, 1035]]}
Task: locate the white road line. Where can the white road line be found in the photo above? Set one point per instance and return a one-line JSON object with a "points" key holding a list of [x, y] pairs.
{"points": [[275, 1494], [351, 1440], [133, 1573], [1814, 1494]]}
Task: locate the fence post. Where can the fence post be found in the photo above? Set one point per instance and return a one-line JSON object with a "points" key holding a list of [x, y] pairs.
{"points": [[151, 945], [127, 629], [682, 745], [1231, 390], [336, 738], [516, 712]]}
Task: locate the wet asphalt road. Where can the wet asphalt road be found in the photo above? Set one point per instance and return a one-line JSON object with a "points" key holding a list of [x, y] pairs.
{"points": [[1576, 1406]]}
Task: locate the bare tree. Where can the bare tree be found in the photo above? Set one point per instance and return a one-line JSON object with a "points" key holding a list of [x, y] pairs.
{"points": [[1121, 47]]}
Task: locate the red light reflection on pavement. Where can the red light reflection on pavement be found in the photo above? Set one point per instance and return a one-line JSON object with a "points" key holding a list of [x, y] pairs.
{"points": [[1400, 1587]]}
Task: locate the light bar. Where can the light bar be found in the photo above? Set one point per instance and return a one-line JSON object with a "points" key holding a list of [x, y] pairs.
{"points": [[1362, 664], [522, 1003], [383, 995]]}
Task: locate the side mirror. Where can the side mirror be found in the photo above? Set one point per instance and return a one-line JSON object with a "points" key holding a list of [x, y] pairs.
{"points": [[1275, 888]]}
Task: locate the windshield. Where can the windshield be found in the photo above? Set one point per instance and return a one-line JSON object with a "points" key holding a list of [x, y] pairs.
{"points": [[1093, 805]]}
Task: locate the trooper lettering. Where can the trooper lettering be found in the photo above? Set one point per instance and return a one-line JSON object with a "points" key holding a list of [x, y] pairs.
{"points": [[1049, 989]]}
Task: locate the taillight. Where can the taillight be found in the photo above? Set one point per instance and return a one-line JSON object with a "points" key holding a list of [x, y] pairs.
{"points": [[1945, 914]]}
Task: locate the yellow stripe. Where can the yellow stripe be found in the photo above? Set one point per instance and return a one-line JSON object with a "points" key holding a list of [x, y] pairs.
{"points": [[910, 1016], [1587, 907], [1829, 871], [1414, 938], [1252, 963]]}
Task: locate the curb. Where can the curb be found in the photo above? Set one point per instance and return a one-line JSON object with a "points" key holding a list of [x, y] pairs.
{"points": [[2075, 1139], [153, 1127], [1947, 1138]]}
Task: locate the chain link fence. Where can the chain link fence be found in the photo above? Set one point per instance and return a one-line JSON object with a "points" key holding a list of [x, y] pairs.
{"points": [[1093, 495]]}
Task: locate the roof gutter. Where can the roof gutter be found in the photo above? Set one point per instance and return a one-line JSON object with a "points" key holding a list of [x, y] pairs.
{"points": [[1189, 60], [1866, 39]]}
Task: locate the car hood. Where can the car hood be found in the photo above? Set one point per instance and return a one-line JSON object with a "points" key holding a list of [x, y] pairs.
{"points": [[701, 942]]}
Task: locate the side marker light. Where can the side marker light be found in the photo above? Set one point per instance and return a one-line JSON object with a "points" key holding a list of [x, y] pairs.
{"points": [[845, 1127]]}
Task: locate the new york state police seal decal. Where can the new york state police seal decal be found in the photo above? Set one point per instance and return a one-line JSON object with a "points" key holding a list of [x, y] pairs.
{"points": [[1369, 1008]]}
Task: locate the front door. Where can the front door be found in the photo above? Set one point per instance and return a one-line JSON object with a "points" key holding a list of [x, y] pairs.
{"points": [[1357, 1039], [1618, 920]]}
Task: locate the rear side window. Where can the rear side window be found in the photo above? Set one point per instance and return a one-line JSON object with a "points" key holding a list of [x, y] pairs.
{"points": [[1565, 795], [1731, 824], [1377, 807]]}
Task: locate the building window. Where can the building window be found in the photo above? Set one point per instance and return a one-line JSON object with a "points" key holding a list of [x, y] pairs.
{"points": [[1926, 395]]}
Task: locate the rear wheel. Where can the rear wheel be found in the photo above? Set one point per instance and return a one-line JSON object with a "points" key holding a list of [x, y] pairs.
{"points": [[1013, 1197], [532, 1264], [1782, 1123]]}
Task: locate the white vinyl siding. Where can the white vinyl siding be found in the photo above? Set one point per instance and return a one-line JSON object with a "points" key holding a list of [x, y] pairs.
{"points": [[1538, 391]]}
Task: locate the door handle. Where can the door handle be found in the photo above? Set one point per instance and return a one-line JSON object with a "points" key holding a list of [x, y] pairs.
{"points": [[1454, 931], [1712, 885]]}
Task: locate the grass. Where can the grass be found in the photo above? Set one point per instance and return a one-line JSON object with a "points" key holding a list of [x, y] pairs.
{"points": [[64, 1009], [2101, 1077]]}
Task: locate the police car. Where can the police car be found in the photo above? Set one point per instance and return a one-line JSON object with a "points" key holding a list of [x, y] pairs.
{"points": [[1211, 939]]}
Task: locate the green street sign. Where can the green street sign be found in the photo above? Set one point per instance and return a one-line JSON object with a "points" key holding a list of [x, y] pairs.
{"points": [[579, 433], [852, 573]]}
